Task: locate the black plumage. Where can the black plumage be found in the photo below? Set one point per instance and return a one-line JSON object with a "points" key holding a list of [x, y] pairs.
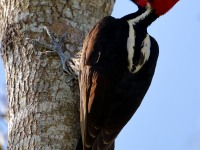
{"points": [[110, 93]]}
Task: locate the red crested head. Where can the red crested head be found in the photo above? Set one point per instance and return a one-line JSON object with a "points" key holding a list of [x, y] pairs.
{"points": [[159, 6], [162, 6], [141, 3]]}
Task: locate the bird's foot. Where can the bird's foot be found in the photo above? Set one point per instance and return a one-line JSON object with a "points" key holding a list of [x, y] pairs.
{"points": [[56, 47]]}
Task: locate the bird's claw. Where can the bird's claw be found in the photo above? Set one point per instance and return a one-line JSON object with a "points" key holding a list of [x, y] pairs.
{"points": [[54, 46]]}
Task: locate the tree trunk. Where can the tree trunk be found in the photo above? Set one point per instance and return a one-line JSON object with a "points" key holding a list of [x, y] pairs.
{"points": [[43, 101]]}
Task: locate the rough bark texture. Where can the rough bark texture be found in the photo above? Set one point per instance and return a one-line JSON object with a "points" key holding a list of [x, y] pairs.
{"points": [[43, 102]]}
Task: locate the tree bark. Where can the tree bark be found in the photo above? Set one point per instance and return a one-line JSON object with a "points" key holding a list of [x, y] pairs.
{"points": [[43, 101]]}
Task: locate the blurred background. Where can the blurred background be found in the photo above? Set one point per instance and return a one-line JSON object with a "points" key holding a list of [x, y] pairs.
{"points": [[169, 116]]}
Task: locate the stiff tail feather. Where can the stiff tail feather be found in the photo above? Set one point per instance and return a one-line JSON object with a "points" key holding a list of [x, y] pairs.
{"points": [[79, 144]]}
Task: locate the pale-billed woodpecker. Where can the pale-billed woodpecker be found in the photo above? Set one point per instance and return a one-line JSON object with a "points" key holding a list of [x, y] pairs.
{"points": [[118, 60], [116, 69]]}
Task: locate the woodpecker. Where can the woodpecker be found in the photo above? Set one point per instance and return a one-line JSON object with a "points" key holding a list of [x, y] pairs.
{"points": [[116, 69]]}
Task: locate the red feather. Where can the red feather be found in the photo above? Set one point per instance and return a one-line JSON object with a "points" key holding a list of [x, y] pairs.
{"points": [[141, 3], [159, 6], [162, 6]]}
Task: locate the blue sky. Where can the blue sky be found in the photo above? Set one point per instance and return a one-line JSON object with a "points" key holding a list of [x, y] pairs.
{"points": [[169, 116]]}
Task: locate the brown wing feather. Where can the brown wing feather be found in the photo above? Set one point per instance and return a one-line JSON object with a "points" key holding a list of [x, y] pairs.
{"points": [[103, 61]]}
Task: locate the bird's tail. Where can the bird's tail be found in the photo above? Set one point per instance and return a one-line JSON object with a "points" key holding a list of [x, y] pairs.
{"points": [[79, 144], [112, 147]]}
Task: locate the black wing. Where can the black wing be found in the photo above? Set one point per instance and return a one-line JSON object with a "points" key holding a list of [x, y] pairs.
{"points": [[104, 59], [109, 93]]}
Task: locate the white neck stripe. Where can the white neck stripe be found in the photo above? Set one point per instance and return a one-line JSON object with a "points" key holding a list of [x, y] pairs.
{"points": [[142, 16]]}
